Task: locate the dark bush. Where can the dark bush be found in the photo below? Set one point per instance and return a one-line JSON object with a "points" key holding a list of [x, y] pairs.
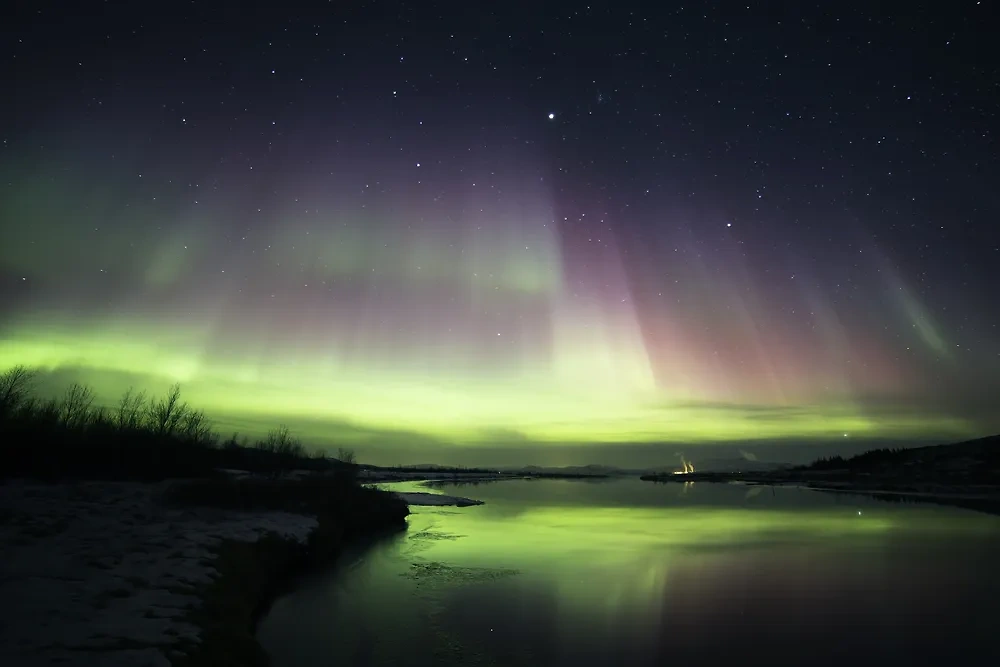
{"points": [[140, 438]]}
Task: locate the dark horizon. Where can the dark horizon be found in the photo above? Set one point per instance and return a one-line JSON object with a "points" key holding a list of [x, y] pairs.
{"points": [[648, 456]]}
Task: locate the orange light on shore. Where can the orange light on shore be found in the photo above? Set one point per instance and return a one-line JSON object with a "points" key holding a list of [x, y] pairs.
{"points": [[688, 467]]}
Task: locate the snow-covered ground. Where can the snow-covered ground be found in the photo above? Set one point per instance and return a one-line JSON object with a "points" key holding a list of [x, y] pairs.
{"points": [[103, 573], [438, 499]]}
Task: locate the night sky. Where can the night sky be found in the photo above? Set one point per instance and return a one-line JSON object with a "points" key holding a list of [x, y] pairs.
{"points": [[511, 232]]}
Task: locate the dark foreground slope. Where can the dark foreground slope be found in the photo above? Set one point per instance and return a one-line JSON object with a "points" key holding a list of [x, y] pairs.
{"points": [[70, 446], [252, 574]]}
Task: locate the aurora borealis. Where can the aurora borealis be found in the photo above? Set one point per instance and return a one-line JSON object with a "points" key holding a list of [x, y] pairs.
{"points": [[434, 232]]}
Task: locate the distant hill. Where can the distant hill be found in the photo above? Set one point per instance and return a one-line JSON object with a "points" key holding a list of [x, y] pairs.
{"points": [[723, 465], [431, 467], [591, 469], [969, 470], [737, 465], [978, 458]]}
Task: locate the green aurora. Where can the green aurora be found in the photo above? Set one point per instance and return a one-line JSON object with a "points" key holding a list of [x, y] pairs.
{"points": [[315, 395], [631, 562], [479, 322]]}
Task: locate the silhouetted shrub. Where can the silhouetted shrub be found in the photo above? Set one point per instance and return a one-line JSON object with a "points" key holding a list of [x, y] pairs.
{"points": [[140, 438]]}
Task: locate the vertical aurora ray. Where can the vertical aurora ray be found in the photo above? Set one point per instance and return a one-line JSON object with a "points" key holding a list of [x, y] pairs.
{"points": [[494, 320], [447, 262]]}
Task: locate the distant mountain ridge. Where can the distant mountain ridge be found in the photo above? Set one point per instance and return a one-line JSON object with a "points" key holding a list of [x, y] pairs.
{"points": [[591, 469], [707, 465], [594, 469]]}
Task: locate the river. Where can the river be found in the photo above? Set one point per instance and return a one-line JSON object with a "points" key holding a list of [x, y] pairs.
{"points": [[623, 572]]}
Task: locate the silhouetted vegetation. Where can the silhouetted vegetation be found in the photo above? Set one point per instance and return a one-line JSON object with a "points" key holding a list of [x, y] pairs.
{"points": [[969, 462], [153, 438], [140, 438], [863, 460]]}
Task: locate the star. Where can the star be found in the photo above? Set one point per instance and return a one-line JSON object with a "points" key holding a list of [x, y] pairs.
{"points": [[571, 301]]}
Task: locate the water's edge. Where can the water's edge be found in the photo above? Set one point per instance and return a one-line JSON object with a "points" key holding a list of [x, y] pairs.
{"points": [[252, 575]]}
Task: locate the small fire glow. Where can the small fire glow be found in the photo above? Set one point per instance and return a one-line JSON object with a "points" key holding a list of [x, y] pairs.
{"points": [[688, 467]]}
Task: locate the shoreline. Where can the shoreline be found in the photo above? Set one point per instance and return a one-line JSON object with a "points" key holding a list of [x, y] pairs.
{"points": [[392, 476], [425, 499], [119, 573], [980, 497], [251, 576]]}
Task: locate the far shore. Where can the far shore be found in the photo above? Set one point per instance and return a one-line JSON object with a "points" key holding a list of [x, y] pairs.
{"points": [[372, 474], [965, 474], [982, 497]]}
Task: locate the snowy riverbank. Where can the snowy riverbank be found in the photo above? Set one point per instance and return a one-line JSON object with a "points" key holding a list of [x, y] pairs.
{"points": [[106, 573], [435, 499]]}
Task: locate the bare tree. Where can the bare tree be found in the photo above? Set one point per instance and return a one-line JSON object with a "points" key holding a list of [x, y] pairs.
{"points": [[165, 415], [47, 412], [280, 441], [284, 449], [347, 456], [15, 385], [99, 417], [196, 427], [130, 410], [28, 407], [76, 405]]}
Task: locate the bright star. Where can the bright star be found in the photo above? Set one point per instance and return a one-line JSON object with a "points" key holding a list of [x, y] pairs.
{"points": [[551, 116]]}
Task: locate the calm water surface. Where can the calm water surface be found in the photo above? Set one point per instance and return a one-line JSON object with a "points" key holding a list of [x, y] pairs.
{"points": [[627, 572]]}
